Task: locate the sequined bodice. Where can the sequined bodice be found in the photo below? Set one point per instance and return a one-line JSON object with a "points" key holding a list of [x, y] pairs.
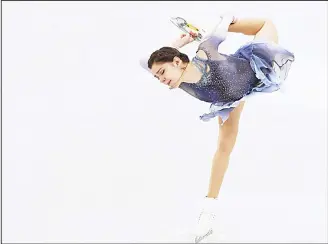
{"points": [[226, 78]]}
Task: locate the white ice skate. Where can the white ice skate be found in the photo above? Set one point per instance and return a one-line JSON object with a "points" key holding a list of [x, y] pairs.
{"points": [[206, 220], [188, 28], [199, 33]]}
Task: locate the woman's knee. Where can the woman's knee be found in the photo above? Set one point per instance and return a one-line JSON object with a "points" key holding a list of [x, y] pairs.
{"points": [[268, 32], [227, 140], [229, 130], [272, 29]]}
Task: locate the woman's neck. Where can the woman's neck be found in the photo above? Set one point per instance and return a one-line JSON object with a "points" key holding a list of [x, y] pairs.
{"points": [[191, 74]]}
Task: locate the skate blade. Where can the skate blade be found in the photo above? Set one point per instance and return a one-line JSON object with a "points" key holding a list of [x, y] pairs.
{"points": [[198, 239], [186, 27]]}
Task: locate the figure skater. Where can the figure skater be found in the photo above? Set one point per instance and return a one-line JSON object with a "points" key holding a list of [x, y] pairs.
{"points": [[225, 82]]}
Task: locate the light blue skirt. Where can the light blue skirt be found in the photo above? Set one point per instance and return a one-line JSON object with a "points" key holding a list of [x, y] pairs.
{"points": [[271, 64]]}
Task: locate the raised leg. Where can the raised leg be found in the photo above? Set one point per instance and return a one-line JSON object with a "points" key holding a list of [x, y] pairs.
{"points": [[262, 29]]}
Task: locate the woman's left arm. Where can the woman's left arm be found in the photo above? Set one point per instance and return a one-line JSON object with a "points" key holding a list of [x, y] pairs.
{"points": [[219, 33]]}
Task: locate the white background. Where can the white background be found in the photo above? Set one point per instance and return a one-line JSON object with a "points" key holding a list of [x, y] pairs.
{"points": [[96, 150]]}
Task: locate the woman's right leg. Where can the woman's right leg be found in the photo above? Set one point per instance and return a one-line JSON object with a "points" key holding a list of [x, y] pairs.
{"points": [[227, 138]]}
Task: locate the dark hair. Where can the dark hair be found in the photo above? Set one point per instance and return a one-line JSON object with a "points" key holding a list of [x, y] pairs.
{"points": [[166, 54]]}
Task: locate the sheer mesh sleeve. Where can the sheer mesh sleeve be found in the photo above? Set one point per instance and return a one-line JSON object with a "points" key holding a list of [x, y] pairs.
{"points": [[144, 63], [212, 41]]}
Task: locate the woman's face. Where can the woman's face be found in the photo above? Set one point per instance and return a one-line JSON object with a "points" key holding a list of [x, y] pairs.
{"points": [[168, 73]]}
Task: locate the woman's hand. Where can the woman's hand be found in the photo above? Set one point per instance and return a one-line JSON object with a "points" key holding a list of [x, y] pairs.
{"points": [[184, 40]]}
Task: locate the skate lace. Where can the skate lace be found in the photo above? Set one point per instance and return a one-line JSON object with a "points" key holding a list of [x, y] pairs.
{"points": [[209, 215]]}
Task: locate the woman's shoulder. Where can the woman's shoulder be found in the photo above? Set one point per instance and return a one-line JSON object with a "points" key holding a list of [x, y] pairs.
{"points": [[201, 55]]}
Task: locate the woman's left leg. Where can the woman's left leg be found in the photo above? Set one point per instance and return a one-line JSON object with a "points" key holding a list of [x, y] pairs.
{"points": [[267, 33], [262, 29]]}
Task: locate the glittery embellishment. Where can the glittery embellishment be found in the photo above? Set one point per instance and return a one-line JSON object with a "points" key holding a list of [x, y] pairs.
{"points": [[255, 67], [226, 81]]}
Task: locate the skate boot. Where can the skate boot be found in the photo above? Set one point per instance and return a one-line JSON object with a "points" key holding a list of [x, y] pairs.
{"points": [[188, 28], [206, 220]]}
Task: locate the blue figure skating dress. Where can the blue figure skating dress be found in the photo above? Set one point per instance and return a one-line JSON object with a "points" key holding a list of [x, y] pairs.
{"points": [[229, 79]]}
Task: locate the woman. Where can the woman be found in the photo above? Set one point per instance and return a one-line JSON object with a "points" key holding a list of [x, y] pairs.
{"points": [[224, 81]]}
